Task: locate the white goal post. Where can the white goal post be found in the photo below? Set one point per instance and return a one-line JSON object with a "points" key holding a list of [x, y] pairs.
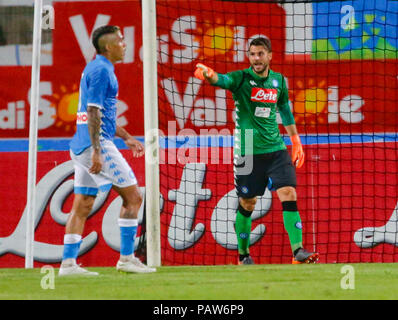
{"points": [[33, 127], [152, 192]]}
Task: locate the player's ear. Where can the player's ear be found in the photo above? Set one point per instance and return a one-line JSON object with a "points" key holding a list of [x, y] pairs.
{"points": [[109, 41], [270, 55], [108, 46]]}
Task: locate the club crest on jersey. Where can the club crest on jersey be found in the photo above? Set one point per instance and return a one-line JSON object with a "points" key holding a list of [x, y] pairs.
{"points": [[264, 95]]}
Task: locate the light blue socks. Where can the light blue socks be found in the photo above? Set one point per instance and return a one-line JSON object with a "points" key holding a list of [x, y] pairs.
{"points": [[128, 231], [72, 244]]}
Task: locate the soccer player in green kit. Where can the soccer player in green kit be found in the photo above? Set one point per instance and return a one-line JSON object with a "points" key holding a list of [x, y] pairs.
{"points": [[260, 156]]}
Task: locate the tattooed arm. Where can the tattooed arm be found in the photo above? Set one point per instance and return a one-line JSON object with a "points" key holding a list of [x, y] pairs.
{"points": [[94, 126]]}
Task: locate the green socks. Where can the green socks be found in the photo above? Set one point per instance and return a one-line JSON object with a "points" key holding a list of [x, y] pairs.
{"points": [[243, 226], [292, 223]]}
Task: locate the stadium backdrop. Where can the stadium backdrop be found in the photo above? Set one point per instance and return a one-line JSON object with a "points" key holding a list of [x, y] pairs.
{"points": [[345, 107]]}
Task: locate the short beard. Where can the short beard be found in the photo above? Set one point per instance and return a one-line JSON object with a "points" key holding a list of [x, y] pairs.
{"points": [[265, 68]]}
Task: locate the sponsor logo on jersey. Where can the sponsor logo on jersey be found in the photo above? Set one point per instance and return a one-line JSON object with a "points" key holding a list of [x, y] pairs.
{"points": [[81, 118], [264, 95]]}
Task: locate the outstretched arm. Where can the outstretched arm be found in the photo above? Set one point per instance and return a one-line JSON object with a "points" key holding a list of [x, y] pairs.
{"points": [[227, 81], [203, 72]]}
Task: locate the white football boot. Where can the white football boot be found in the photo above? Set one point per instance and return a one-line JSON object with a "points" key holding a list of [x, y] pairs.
{"points": [[133, 265], [74, 270]]}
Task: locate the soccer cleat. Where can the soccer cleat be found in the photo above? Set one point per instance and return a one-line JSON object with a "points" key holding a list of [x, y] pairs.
{"points": [[133, 265], [246, 260], [75, 270], [303, 256]]}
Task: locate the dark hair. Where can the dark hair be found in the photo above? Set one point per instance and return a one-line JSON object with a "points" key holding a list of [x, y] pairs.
{"points": [[261, 41], [99, 32]]}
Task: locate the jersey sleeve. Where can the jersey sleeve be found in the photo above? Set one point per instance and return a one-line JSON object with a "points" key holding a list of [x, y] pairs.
{"points": [[230, 81], [98, 82], [283, 105]]}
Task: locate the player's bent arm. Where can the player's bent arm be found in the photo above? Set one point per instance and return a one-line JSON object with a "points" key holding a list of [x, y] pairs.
{"points": [[297, 148], [122, 133], [286, 115], [288, 120], [290, 126], [291, 130], [136, 147], [94, 126]]}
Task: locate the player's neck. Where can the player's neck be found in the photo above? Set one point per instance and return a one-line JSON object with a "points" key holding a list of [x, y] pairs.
{"points": [[109, 57], [263, 74]]}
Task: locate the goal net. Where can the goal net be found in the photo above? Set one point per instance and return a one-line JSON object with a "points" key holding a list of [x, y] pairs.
{"points": [[339, 59]]}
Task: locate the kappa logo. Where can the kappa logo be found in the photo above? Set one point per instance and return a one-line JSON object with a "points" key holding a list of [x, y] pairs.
{"points": [[264, 95], [252, 83]]}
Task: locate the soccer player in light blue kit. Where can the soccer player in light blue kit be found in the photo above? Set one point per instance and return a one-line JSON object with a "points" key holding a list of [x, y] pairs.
{"points": [[98, 164]]}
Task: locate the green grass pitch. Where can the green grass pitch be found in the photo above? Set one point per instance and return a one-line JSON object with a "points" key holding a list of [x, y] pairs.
{"points": [[257, 282]]}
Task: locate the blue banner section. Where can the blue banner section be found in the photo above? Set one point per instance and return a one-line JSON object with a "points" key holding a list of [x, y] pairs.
{"points": [[56, 144], [357, 29], [22, 145]]}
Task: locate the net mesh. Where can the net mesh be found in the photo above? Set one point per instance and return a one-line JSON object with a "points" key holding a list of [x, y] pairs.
{"points": [[339, 61]]}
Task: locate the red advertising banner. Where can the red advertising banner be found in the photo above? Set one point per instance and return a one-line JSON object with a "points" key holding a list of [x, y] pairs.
{"points": [[59, 83], [348, 96], [54, 202], [348, 217], [344, 97]]}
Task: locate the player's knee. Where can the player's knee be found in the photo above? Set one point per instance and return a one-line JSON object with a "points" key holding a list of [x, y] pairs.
{"points": [[138, 199], [248, 204], [134, 201], [82, 205], [287, 194]]}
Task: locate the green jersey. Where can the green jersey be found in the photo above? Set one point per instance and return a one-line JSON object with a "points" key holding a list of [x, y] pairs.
{"points": [[257, 100]]}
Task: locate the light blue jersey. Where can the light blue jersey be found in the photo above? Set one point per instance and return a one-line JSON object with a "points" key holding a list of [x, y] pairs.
{"points": [[98, 88]]}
